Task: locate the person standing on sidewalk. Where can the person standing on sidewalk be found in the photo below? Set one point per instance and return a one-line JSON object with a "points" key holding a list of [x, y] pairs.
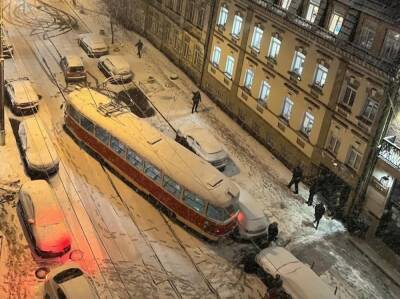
{"points": [[272, 232], [196, 100], [297, 176], [139, 46], [319, 212]]}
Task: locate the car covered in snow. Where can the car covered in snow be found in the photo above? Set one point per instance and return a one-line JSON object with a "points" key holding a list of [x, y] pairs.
{"points": [[93, 44], [299, 280], [252, 222], [69, 282], [73, 68], [115, 68], [39, 152], [44, 219], [8, 49], [204, 144], [22, 96]]}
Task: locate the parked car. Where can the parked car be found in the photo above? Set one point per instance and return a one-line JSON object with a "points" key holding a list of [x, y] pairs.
{"points": [[252, 222], [44, 219], [298, 279], [39, 153], [204, 144], [70, 282], [93, 44], [73, 68], [116, 68], [22, 96]]}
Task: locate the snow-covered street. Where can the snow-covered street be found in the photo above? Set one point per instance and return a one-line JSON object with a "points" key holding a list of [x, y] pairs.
{"points": [[127, 246]]}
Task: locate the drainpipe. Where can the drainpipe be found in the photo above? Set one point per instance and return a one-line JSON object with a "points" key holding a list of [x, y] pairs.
{"points": [[210, 31]]}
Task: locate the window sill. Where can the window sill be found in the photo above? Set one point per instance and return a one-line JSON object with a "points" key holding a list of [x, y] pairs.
{"points": [[317, 89], [220, 28], [254, 51], [271, 60], [344, 107], [284, 120], [295, 77], [303, 135], [365, 121], [234, 37]]}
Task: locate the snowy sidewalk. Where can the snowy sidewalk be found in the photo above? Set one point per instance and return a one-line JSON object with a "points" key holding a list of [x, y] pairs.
{"points": [[386, 260]]}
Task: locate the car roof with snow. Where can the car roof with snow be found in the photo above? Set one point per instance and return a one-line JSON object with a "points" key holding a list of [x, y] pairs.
{"points": [[177, 162], [92, 39], [204, 137], [74, 60], [119, 63], [299, 280], [40, 149], [24, 91]]}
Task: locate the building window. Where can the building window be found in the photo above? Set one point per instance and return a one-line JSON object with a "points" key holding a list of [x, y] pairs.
{"points": [[264, 93], [353, 158], [274, 48], [349, 96], [237, 26], [230, 62], [223, 16], [200, 18], [370, 109], [248, 79], [298, 62], [256, 39], [190, 11], [312, 10], [391, 46], [336, 23], [367, 37], [307, 123], [320, 75], [287, 108], [216, 56], [197, 57], [169, 4], [285, 4], [333, 144]]}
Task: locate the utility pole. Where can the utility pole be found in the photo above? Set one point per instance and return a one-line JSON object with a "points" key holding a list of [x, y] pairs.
{"points": [[2, 129]]}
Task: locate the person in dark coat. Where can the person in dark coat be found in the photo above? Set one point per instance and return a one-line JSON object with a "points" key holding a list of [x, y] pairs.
{"points": [[196, 100], [139, 46], [297, 176], [273, 232], [319, 212]]}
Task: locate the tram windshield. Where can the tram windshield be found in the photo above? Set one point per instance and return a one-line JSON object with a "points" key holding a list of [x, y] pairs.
{"points": [[222, 214]]}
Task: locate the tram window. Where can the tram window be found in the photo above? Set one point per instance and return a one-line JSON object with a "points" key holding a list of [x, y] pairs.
{"points": [[102, 135], [117, 146], [74, 114], [134, 159], [152, 172], [217, 214], [87, 124], [172, 187], [193, 201]]}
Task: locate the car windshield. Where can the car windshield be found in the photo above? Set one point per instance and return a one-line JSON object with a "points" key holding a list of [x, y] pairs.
{"points": [[67, 275], [232, 209], [76, 69]]}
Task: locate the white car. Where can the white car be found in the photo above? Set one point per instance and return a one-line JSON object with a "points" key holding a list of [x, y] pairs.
{"points": [[69, 282], [93, 44], [40, 155], [204, 144], [252, 222], [299, 280], [116, 68], [44, 219], [22, 96]]}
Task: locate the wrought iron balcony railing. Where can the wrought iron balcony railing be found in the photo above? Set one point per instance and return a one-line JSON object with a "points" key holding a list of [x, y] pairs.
{"points": [[390, 153]]}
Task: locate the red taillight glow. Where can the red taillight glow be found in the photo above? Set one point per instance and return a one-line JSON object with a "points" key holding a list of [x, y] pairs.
{"points": [[240, 217]]}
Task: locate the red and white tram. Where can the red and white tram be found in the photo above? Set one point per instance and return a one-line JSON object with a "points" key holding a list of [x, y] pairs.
{"points": [[197, 193]]}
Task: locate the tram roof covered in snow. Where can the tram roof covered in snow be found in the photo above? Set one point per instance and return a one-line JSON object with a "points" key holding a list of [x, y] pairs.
{"points": [[174, 160]]}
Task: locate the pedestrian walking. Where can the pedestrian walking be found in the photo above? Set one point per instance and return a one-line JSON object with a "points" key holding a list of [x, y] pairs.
{"points": [[139, 46], [319, 212], [272, 232], [196, 100], [297, 176]]}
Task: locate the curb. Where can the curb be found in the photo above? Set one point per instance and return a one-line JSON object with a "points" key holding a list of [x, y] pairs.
{"points": [[376, 263]]}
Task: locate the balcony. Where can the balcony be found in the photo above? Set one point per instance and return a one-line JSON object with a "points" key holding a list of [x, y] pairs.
{"points": [[390, 153], [327, 38]]}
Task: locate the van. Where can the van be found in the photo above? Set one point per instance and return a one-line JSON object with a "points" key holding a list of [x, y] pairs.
{"points": [[73, 68]]}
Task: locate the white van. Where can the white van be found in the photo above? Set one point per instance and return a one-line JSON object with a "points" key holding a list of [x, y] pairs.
{"points": [[299, 280], [40, 155]]}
